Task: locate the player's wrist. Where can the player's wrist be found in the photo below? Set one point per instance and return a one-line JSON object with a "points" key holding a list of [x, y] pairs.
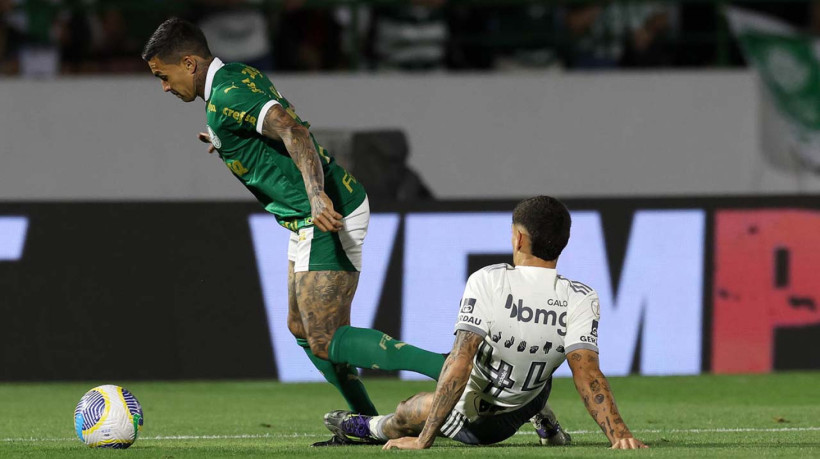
{"points": [[425, 440]]}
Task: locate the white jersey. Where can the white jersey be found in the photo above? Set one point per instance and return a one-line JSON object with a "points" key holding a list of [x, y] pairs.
{"points": [[530, 319]]}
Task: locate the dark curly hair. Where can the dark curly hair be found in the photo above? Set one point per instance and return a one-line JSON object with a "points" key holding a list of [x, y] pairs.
{"points": [[547, 221]]}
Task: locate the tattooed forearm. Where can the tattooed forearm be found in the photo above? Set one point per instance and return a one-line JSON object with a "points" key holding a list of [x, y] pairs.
{"points": [[454, 376], [595, 386], [279, 124], [597, 395]]}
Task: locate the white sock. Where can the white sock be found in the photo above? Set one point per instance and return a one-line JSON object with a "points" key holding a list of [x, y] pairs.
{"points": [[377, 425]]}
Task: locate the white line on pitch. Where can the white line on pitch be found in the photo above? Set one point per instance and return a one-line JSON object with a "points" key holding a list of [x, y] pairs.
{"points": [[309, 435]]}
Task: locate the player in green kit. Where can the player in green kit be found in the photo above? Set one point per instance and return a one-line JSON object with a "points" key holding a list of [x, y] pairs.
{"points": [[269, 148]]}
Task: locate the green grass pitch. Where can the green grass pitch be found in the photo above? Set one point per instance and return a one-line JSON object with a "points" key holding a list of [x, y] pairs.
{"points": [[774, 415]]}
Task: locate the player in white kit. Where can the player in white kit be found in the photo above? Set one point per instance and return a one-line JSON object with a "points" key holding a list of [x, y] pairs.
{"points": [[516, 325]]}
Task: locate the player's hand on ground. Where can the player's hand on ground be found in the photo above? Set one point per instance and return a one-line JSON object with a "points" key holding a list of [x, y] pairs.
{"points": [[324, 216], [628, 443], [404, 443], [205, 138]]}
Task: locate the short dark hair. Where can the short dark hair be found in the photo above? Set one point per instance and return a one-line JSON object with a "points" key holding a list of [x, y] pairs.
{"points": [[547, 221], [175, 38]]}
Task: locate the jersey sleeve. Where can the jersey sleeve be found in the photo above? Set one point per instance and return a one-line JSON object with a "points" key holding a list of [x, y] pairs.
{"points": [[242, 108], [476, 304], [582, 324]]}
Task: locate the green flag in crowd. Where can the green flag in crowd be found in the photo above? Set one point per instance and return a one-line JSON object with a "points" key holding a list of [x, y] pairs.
{"points": [[787, 62]]}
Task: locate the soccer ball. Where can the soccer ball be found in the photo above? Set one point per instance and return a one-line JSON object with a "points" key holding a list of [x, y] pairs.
{"points": [[108, 417]]}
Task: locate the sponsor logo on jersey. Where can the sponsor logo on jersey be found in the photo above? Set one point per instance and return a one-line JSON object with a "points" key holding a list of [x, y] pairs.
{"points": [[589, 339], [214, 138], [293, 225], [467, 305], [469, 319], [239, 116], [540, 316], [594, 331]]}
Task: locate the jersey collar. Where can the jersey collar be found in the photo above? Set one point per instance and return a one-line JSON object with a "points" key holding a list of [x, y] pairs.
{"points": [[216, 64], [535, 267]]}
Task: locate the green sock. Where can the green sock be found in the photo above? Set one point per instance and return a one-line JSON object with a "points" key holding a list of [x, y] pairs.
{"points": [[367, 348], [346, 379]]}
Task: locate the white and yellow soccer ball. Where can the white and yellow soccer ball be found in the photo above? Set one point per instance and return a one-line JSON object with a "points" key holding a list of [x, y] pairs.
{"points": [[108, 417]]}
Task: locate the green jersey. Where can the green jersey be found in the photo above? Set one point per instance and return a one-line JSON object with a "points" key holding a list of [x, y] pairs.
{"points": [[238, 97]]}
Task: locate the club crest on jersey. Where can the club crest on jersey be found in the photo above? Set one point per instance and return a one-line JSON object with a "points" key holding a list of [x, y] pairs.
{"points": [[596, 308], [214, 138]]}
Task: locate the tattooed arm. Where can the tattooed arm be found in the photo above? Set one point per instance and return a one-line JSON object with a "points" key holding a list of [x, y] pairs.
{"points": [[454, 376], [279, 125], [594, 389]]}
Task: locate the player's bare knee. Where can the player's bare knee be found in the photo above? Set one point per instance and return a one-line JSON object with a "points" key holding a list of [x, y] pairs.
{"points": [[403, 412], [400, 417]]}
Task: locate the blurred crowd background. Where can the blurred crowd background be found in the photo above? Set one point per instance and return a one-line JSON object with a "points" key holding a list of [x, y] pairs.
{"points": [[50, 37]]}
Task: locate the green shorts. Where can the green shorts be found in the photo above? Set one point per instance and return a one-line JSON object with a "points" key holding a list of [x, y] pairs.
{"points": [[314, 250]]}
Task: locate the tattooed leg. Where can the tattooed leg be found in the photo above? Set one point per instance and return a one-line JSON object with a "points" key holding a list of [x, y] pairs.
{"points": [[294, 317], [324, 299], [410, 416]]}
